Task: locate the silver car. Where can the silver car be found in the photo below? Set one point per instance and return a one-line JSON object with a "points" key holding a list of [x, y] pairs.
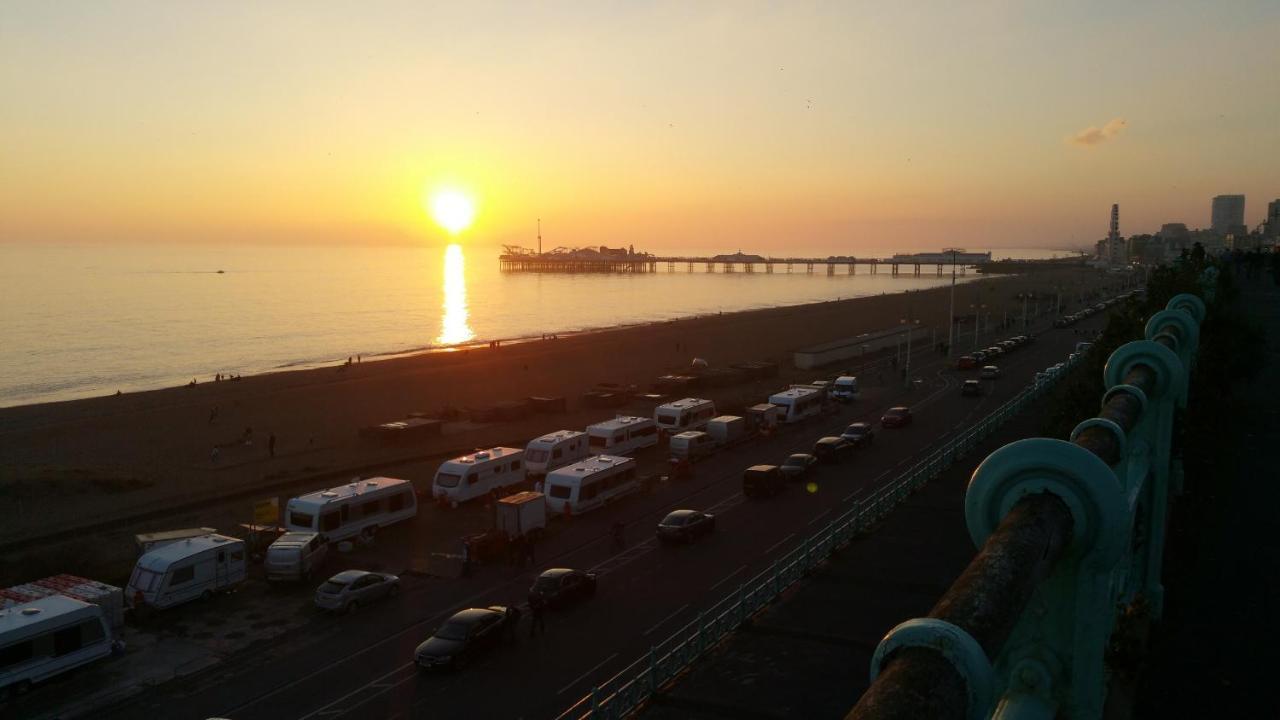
{"points": [[348, 590]]}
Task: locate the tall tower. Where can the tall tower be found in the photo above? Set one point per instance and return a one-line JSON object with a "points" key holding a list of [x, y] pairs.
{"points": [[1117, 253], [1115, 222]]}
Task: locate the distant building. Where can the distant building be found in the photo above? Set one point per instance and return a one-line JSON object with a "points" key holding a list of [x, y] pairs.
{"points": [[1174, 231], [1273, 218], [1227, 212], [1116, 251]]}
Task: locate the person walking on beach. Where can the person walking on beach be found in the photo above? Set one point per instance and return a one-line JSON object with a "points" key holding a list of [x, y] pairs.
{"points": [[271, 445], [213, 455], [213, 414]]}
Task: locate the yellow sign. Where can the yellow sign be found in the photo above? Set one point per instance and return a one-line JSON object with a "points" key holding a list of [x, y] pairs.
{"points": [[266, 512]]}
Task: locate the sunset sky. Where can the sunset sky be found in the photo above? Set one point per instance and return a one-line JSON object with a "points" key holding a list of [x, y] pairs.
{"points": [[733, 125]]}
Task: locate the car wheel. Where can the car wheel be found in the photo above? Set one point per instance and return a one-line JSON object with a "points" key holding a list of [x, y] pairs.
{"points": [[353, 606]]}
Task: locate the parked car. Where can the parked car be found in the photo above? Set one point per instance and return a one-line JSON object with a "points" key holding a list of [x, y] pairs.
{"points": [[463, 637], [832, 449], [685, 526], [797, 466], [762, 481], [990, 372], [979, 357], [859, 434], [349, 589], [971, 387], [561, 587], [966, 362], [896, 417]]}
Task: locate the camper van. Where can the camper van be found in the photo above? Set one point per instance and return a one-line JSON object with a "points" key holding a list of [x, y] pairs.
{"points": [[554, 450], [622, 435], [472, 476], [191, 569], [47, 637], [357, 508], [845, 388], [798, 402], [692, 445], [295, 556], [682, 415], [591, 483]]}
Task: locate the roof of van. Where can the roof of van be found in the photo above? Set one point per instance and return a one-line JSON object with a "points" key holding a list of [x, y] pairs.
{"points": [[483, 456], [557, 436], [683, 403], [795, 392], [593, 464], [351, 489], [294, 539], [619, 422], [22, 616], [160, 558], [689, 434], [846, 379]]}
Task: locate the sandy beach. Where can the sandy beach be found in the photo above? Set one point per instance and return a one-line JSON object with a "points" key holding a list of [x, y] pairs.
{"points": [[73, 464]]}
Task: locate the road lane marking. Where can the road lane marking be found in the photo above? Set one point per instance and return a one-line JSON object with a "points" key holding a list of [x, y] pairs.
{"points": [[856, 493], [659, 624], [726, 578], [780, 542], [584, 675], [820, 515], [324, 710]]}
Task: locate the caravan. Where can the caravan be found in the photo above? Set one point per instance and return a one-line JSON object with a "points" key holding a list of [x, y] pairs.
{"points": [[798, 402], [845, 388], [682, 415], [191, 569], [47, 637], [587, 485], [554, 450], [357, 508], [622, 435], [472, 476]]}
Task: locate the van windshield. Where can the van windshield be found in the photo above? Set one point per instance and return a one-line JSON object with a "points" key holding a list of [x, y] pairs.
{"points": [[299, 519], [144, 580], [448, 479], [598, 442], [669, 418], [560, 492], [536, 455]]}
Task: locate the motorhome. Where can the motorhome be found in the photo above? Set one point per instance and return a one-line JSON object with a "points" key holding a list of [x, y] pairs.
{"points": [[360, 507], [692, 445], [591, 483], [622, 435], [472, 476], [682, 415], [47, 637], [728, 430], [187, 570], [295, 556], [845, 388], [798, 402], [554, 450]]}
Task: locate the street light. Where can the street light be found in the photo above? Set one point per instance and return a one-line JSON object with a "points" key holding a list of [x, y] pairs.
{"points": [[906, 368], [951, 324], [977, 309]]}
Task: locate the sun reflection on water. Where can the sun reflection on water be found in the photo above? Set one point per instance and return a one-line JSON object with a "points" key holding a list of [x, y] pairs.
{"points": [[453, 327]]}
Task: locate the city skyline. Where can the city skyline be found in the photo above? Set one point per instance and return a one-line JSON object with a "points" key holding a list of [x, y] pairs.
{"points": [[661, 126]]}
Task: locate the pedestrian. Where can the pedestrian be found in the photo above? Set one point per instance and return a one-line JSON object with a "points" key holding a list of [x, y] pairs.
{"points": [[213, 414], [537, 612], [213, 455], [271, 444], [466, 558], [537, 487], [359, 360], [619, 536]]}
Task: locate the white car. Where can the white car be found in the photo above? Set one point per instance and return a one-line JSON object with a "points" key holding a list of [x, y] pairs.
{"points": [[348, 590], [990, 372]]}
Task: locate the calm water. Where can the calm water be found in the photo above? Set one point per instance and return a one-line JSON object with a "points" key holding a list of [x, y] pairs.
{"points": [[88, 320]]}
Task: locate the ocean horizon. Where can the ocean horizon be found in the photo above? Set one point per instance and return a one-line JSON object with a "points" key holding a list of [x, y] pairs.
{"points": [[88, 320]]}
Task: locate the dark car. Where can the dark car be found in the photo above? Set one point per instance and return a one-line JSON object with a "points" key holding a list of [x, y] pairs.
{"points": [[685, 526], [832, 449], [979, 357], [966, 362], [971, 387], [762, 481], [561, 587], [896, 417], [797, 466], [463, 637], [859, 434]]}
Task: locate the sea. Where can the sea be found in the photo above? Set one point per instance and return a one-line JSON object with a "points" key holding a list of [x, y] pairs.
{"points": [[93, 319]]}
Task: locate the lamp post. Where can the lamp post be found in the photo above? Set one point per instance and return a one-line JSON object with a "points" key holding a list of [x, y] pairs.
{"points": [[951, 322], [906, 368], [977, 309]]}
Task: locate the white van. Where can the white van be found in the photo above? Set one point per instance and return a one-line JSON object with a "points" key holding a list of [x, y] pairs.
{"points": [[622, 435], [682, 415], [187, 570], [589, 484], [845, 388], [554, 450], [472, 476], [692, 445], [295, 556], [47, 637], [798, 402], [357, 508]]}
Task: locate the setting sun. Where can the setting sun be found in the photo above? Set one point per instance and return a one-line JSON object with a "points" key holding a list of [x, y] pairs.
{"points": [[452, 210]]}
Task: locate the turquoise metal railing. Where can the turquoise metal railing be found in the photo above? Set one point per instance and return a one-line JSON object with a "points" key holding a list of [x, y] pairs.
{"points": [[1068, 534], [632, 686]]}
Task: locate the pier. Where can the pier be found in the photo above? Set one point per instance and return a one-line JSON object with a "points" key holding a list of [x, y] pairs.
{"points": [[625, 260]]}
